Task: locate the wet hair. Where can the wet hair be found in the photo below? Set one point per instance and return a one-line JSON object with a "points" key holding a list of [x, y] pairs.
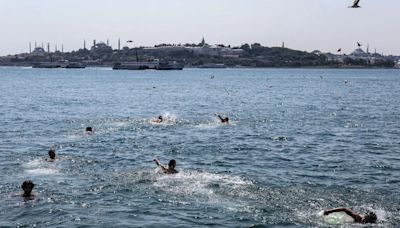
{"points": [[172, 163], [27, 184], [160, 118], [89, 129], [226, 119], [370, 217], [52, 153]]}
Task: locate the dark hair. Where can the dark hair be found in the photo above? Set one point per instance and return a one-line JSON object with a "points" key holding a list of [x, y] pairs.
{"points": [[89, 129], [370, 217], [26, 184], [160, 117], [52, 152], [172, 163]]}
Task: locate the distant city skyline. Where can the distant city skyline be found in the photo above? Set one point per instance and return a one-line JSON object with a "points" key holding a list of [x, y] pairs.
{"points": [[307, 25]]}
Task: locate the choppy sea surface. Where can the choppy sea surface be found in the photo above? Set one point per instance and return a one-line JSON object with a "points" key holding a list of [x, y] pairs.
{"points": [[300, 141]]}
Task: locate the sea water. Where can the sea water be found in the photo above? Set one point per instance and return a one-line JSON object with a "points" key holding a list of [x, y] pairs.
{"points": [[299, 141]]}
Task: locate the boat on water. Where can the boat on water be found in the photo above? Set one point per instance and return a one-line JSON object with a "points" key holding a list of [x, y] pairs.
{"points": [[61, 64], [47, 65], [397, 65], [75, 65], [213, 65], [154, 65], [172, 65], [135, 65]]}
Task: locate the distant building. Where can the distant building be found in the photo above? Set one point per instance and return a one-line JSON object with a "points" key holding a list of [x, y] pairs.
{"points": [[38, 51], [358, 54], [206, 50], [214, 50], [101, 46]]}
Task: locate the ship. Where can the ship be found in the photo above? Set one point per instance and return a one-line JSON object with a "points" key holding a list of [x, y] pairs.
{"points": [[47, 65], [135, 66], [74, 65], [172, 65], [59, 64]]}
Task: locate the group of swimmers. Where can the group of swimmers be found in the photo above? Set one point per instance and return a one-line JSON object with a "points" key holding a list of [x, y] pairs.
{"points": [[224, 120], [27, 186]]}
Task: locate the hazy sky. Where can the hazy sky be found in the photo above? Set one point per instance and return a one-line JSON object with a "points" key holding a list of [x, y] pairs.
{"points": [[303, 24]]}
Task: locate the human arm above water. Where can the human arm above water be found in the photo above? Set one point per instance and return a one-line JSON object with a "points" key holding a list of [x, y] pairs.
{"points": [[160, 165], [348, 211]]}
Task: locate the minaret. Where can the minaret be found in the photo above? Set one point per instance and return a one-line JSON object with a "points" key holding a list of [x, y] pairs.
{"points": [[119, 44], [283, 44], [35, 44], [108, 43], [62, 48], [367, 48], [84, 44], [30, 48], [94, 43], [48, 47], [55, 48], [203, 42], [42, 46]]}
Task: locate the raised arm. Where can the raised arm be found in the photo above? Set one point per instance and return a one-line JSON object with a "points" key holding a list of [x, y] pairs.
{"points": [[159, 165], [348, 211], [220, 117]]}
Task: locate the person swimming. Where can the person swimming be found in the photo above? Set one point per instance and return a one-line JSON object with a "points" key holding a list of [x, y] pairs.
{"points": [[160, 119], [89, 130], [224, 120], [370, 217], [171, 167], [52, 155], [27, 186]]}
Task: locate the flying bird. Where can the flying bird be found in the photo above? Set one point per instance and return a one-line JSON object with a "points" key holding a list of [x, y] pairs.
{"points": [[358, 44], [339, 50], [355, 4], [129, 41]]}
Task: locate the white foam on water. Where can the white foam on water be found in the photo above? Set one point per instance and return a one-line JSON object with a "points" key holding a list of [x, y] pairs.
{"points": [[211, 188], [42, 171], [215, 123], [40, 167], [168, 119]]}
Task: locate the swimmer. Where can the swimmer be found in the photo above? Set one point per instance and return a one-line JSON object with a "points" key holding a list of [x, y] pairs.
{"points": [[89, 130], [52, 155], [368, 218], [170, 169], [159, 119], [27, 186], [223, 120]]}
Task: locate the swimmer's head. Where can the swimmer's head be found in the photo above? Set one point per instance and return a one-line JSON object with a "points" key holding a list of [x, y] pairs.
{"points": [[52, 154], [27, 186], [89, 129], [370, 218], [160, 118], [226, 119], [172, 164]]}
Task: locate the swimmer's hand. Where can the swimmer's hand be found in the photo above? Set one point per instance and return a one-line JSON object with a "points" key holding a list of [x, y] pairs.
{"points": [[157, 162]]}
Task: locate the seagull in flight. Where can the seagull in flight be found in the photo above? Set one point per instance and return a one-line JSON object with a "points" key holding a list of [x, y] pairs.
{"points": [[129, 41], [358, 44], [355, 4]]}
